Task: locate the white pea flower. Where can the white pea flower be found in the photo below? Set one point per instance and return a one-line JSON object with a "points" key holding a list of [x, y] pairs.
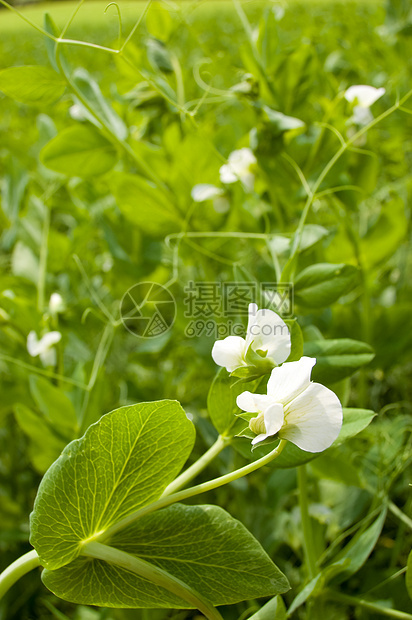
{"points": [[205, 191], [76, 112], [267, 337], [43, 347], [238, 168], [364, 96], [305, 413], [56, 303]]}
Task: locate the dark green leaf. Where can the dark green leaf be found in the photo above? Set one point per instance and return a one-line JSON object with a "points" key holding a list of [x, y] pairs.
{"points": [[201, 545], [322, 284], [337, 359]]}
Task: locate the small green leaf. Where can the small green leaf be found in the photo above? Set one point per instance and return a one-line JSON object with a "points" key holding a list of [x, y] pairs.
{"points": [[408, 577], [296, 337], [322, 284], [79, 151], [337, 359], [45, 446], [273, 610], [122, 463], [144, 205], [221, 400], [201, 545], [54, 404], [158, 56], [91, 92], [359, 548], [50, 45], [32, 84], [159, 22]]}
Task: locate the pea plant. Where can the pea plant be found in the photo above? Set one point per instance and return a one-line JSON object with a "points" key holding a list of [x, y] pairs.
{"points": [[175, 162]]}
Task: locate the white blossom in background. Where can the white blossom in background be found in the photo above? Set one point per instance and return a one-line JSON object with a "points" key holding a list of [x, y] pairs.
{"points": [[238, 168], [44, 348], [205, 191], [266, 332], [56, 303], [76, 112], [363, 97], [307, 414]]}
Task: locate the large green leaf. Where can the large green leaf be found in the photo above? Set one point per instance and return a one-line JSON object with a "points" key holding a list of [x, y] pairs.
{"points": [[79, 151], [322, 284], [122, 463], [337, 359], [144, 205], [201, 545], [32, 84]]}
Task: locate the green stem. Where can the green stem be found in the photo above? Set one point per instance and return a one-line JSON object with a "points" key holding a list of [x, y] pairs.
{"points": [[310, 556], [358, 602], [16, 570], [192, 491], [41, 281], [198, 466], [152, 573], [401, 515]]}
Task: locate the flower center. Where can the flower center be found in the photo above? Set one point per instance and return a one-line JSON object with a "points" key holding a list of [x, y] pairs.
{"points": [[257, 425]]}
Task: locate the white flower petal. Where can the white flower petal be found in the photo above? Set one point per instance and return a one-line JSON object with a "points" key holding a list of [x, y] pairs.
{"points": [[48, 357], [268, 332], [227, 175], [361, 116], [290, 379], [56, 303], [33, 344], [313, 419], [248, 180], [238, 168], [241, 159], [364, 95], [253, 403], [229, 352], [49, 340], [274, 419], [205, 191]]}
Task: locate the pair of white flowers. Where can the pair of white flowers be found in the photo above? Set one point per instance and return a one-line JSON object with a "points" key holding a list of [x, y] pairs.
{"points": [[44, 347], [305, 413], [239, 167]]}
